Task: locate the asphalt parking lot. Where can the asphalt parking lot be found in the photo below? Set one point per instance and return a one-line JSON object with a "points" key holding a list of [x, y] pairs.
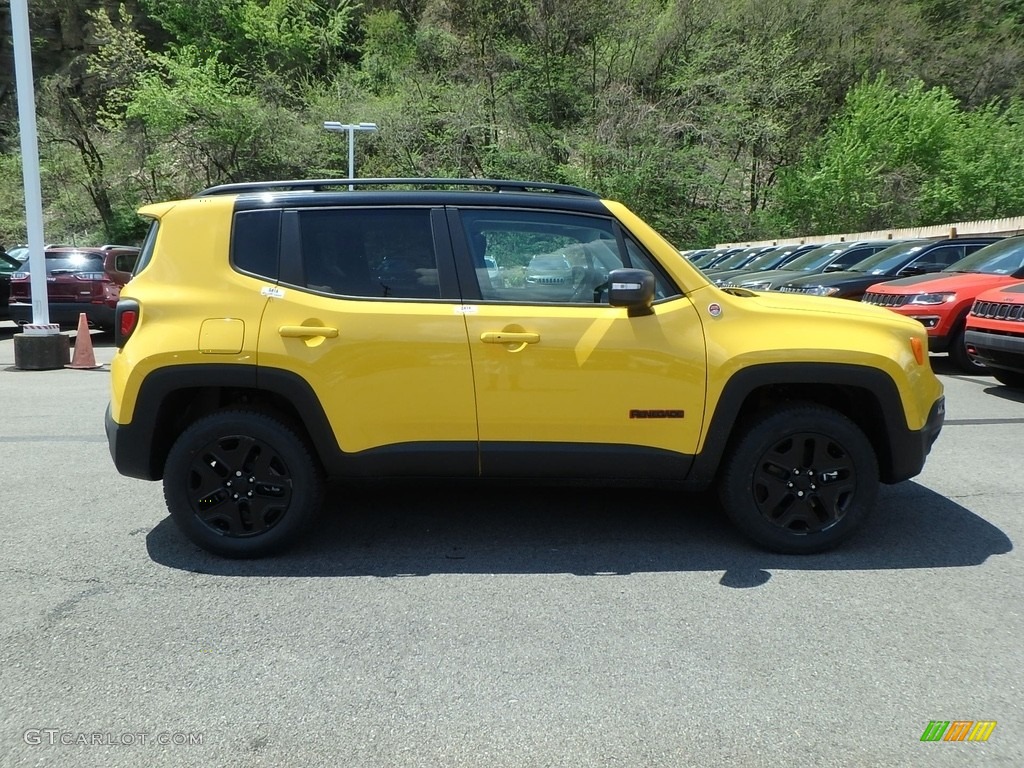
{"points": [[460, 625]]}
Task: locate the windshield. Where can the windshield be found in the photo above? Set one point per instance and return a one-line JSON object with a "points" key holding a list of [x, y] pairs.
{"points": [[889, 259], [737, 259], [1003, 258], [768, 259], [816, 258]]}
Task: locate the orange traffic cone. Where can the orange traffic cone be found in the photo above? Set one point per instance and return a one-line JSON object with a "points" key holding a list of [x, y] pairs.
{"points": [[84, 357]]}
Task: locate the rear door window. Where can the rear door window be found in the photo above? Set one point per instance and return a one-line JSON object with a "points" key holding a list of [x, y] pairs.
{"points": [[374, 253]]}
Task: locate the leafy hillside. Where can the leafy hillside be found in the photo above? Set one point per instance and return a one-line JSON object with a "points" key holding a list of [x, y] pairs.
{"points": [[720, 120]]}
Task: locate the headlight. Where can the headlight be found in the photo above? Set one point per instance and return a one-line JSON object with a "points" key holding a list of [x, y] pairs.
{"points": [[764, 285], [822, 290], [931, 299]]}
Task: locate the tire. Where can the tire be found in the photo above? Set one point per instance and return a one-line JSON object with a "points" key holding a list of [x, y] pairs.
{"points": [[799, 479], [241, 484], [1014, 379], [959, 357]]}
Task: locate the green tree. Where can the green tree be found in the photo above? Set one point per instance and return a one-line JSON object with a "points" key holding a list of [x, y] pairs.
{"points": [[868, 169], [981, 174], [260, 37]]}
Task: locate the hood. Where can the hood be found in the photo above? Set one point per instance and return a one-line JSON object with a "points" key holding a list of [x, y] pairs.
{"points": [[795, 302], [729, 274], [1007, 294], [942, 282], [829, 278], [766, 274]]}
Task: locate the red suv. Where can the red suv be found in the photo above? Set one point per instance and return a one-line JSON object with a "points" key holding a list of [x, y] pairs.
{"points": [[78, 280], [941, 300], [995, 333]]}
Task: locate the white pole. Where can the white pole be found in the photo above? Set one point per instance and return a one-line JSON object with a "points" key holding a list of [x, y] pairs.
{"points": [[30, 167], [350, 129], [351, 154]]}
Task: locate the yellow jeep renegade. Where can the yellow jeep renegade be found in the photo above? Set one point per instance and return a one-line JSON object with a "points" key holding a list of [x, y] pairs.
{"points": [[279, 334]]}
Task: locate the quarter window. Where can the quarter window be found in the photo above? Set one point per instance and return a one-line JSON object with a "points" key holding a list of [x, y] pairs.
{"points": [[255, 242]]}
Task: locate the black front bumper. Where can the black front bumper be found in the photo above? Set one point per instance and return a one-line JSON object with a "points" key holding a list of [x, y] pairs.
{"points": [[996, 350], [911, 447]]}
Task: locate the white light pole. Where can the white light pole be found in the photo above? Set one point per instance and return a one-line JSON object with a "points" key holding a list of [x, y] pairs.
{"points": [[41, 346], [350, 129], [30, 169]]}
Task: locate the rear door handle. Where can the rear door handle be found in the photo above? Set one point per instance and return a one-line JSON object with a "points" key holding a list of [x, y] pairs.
{"points": [[307, 331], [503, 337]]}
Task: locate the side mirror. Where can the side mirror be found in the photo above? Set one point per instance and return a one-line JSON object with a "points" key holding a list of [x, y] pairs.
{"points": [[633, 289]]}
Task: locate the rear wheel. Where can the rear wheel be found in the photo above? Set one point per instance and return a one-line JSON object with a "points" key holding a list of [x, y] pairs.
{"points": [[1013, 379], [241, 484], [799, 479]]}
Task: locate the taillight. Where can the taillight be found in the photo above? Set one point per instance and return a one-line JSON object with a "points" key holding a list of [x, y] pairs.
{"points": [[126, 320]]}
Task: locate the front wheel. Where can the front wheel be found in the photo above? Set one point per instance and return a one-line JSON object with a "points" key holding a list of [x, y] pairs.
{"points": [[799, 479], [959, 357], [241, 484]]}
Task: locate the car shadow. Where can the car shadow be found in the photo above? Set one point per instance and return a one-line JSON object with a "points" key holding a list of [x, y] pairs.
{"points": [[1006, 393], [402, 531]]}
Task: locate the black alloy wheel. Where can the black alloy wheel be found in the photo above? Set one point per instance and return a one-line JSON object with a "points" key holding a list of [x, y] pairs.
{"points": [[804, 483], [241, 484], [799, 478]]}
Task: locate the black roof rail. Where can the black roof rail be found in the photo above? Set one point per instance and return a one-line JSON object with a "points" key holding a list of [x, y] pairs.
{"points": [[322, 185]]}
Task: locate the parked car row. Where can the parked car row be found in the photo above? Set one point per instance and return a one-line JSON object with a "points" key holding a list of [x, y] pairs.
{"points": [[941, 283], [78, 280]]}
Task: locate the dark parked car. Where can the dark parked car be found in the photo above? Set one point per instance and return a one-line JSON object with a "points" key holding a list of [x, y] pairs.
{"points": [[740, 258], [826, 256], [78, 280], [775, 258], [913, 257], [708, 260], [8, 266]]}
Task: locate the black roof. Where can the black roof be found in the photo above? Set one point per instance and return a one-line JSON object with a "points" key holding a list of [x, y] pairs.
{"points": [[384, 192], [335, 185]]}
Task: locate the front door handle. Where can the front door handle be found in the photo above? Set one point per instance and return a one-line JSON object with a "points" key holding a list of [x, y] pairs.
{"points": [[504, 337], [307, 331], [513, 341]]}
